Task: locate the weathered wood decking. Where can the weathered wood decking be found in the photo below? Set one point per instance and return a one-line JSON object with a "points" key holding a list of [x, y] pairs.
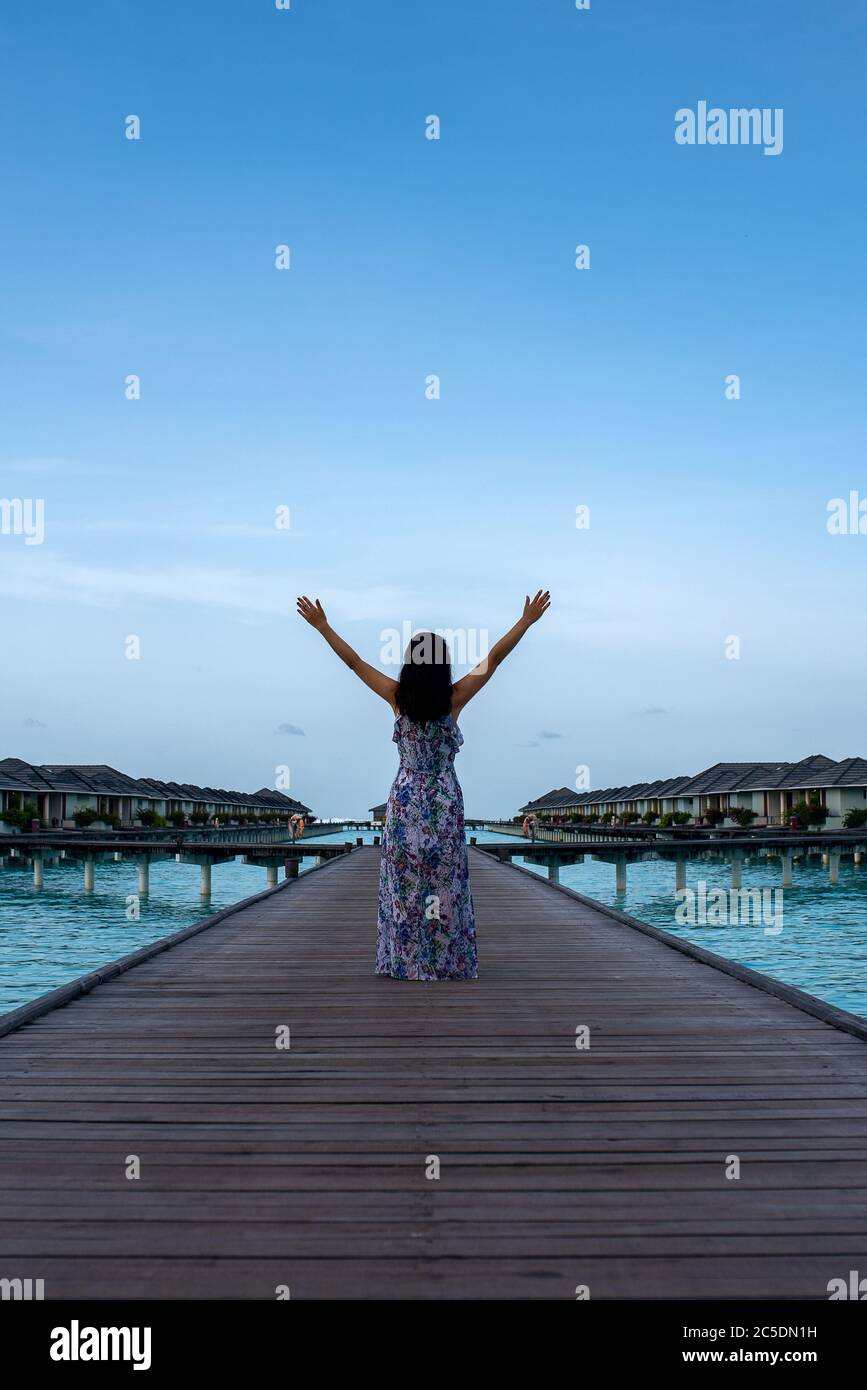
{"points": [[306, 1168]]}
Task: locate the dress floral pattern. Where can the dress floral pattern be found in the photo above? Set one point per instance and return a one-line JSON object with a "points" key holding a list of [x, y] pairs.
{"points": [[426, 928]]}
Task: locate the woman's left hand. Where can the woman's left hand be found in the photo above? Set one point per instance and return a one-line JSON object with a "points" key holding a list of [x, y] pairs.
{"points": [[313, 613]]}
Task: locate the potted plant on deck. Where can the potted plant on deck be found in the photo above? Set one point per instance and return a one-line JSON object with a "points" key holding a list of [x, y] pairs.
{"points": [[16, 819], [807, 813], [89, 818]]}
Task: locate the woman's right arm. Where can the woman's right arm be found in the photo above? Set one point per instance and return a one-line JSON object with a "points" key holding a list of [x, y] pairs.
{"points": [[470, 685], [376, 680]]}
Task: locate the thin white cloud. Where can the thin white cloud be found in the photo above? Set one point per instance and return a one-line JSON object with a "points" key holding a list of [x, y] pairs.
{"points": [[41, 577], [177, 528], [50, 466]]}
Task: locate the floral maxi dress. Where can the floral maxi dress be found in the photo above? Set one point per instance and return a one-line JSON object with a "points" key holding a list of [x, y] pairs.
{"points": [[426, 928]]}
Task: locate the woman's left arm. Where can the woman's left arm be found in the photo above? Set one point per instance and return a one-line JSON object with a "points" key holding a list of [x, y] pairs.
{"points": [[470, 684], [314, 614]]}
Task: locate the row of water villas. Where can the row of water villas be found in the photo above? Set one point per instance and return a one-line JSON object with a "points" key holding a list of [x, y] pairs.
{"points": [[770, 790], [60, 790]]}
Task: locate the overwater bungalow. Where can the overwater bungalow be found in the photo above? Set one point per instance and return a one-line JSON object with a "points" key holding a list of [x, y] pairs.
{"points": [[561, 799], [59, 790], [769, 790]]}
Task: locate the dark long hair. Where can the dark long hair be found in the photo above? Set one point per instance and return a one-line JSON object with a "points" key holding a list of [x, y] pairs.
{"points": [[424, 687]]}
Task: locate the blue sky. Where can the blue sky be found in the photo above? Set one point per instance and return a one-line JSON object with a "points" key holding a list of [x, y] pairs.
{"points": [[306, 388]]}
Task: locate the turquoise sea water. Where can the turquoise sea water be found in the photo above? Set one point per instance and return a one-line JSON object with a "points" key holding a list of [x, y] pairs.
{"points": [[822, 947], [52, 935]]}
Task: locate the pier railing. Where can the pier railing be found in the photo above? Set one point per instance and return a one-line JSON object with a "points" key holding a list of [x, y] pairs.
{"points": [[575, 834], [620, 846], [237, 834]]}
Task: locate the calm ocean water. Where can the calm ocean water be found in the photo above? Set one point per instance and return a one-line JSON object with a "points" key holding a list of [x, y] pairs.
{"points": [[52, 935], [822, 947]]}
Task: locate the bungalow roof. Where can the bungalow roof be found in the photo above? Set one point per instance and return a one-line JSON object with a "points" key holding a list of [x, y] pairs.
{"points": [[727, 777], [850, 772], [96, 777]]}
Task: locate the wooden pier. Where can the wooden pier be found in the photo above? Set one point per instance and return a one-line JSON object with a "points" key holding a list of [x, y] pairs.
{"points": [[607, 1166]]}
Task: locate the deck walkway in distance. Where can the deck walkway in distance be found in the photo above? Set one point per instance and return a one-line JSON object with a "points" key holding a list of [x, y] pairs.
{"points": [[306, 1167]]}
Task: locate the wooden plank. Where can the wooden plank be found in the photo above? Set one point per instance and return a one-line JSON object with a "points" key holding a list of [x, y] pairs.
{"points": [[557, 1166], [430, 1277]]}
